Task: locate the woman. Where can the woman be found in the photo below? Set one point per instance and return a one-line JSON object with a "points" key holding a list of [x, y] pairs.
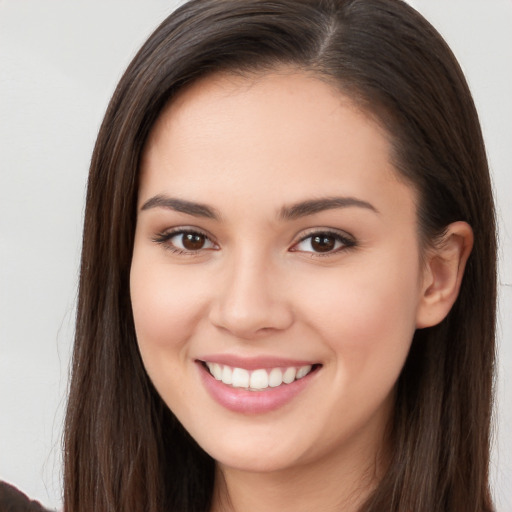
{"points": [[287, 293]]}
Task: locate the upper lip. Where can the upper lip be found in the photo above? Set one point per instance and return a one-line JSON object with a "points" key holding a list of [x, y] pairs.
{"points": [[254, 363]]}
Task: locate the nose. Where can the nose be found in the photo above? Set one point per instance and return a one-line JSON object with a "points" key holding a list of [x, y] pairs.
{"points": [[251, 299]]}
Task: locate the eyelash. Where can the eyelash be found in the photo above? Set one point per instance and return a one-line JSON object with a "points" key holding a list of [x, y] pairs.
{"points": [[165, 237], [345, 241]]}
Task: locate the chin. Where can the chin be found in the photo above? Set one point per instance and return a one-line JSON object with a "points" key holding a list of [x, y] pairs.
{"points": [[256, 461]]}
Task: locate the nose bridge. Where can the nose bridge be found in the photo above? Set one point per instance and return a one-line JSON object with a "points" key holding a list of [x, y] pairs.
{"points": [[249, 300]]}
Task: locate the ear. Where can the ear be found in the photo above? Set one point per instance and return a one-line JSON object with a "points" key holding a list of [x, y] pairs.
{"points": [[443, 274]]}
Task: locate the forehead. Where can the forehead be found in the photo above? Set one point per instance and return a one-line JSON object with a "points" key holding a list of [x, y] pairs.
{"points": [[282, 90], [285, 134]]}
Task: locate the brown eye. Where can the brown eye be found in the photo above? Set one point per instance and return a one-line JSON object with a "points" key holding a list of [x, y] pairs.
{"points": [[185, 242], [323, 243], [193, 241]]}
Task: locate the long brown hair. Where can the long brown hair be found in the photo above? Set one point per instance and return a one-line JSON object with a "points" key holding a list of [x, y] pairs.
{"points": [[124, 449]]}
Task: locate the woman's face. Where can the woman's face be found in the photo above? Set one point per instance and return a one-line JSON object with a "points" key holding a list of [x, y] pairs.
{"points": [[276, 248]]}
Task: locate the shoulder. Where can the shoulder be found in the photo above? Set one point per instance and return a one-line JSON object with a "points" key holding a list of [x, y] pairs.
{"points": [[13, 500]]}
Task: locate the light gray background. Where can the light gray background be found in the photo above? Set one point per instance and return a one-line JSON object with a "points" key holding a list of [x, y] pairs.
{"points": [[59, 63]]}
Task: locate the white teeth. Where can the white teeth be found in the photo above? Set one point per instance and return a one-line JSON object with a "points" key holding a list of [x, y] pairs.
{"points": [[240, 378], [227, 375], [303, 371], [289, 375], [275, 377], [257, 380], [215, 370]]}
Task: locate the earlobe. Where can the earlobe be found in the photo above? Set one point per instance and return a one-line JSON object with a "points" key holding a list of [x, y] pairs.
{"points": [[443, 274]]}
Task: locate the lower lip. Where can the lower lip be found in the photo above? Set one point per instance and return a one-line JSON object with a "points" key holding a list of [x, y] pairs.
{"points": [[253, 402]]}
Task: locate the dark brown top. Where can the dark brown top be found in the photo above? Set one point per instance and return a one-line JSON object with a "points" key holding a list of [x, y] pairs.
{"points": [[13, 500]]}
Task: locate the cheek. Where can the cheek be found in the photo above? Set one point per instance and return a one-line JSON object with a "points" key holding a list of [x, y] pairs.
{"points": [[167, 307], [367, 316]]}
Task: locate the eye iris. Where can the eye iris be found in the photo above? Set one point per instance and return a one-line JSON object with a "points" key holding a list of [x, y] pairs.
{"points": [[323, 243], [193, 241]]}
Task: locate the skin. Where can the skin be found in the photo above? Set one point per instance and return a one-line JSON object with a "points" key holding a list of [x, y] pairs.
{"points": [[249, 148]]}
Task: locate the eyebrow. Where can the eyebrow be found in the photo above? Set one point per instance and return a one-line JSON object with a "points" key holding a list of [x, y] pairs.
{"points": [[180, 205], [292, 212], [313, 206]]}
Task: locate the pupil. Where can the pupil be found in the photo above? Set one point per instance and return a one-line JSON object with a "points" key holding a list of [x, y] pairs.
{"points": [[323, 243], [193, 241]]}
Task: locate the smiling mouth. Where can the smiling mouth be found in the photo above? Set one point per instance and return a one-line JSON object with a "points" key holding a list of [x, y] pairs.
{"points": [[259, 379]]}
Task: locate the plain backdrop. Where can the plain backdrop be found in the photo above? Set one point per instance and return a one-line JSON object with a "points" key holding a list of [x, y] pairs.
{"points": [[59, 64]]}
